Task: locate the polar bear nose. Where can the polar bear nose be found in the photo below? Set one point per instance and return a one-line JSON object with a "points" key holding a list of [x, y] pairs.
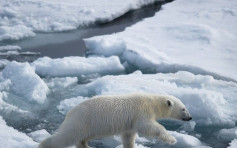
{"points": [[187, 119]]}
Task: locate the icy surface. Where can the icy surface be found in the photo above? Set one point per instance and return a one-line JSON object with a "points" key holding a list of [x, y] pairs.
{"points": [[39, 135], [184, 140], [17, 22], [62, 82], [66, 105], [25, 82], [11, 138], [200, 38], [77, 66], [233, 144], [199, 93], [9, 48]]}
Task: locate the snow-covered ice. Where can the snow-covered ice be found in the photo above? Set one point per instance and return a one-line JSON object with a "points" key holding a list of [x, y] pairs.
{"points": [[200, 38], [67, 104], [9, 48], [233, 144], [21, 18], [11, 138], [61, 82], [184, 140], [199, 93], [39, 135], [25, 82], [77, 66]]}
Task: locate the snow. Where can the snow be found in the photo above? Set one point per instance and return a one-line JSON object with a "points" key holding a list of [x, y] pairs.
{"points": [[200, 38], [15, 32], [9, 48], [62, 82], [17, 22], [233, 144], [77, 66], [25, 82], [184, 140], [11, 138], [39, 135], [67, 104], [199, 93]]}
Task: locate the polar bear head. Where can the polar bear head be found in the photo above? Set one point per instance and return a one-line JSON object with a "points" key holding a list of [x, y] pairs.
{"points": [[175, 109]]}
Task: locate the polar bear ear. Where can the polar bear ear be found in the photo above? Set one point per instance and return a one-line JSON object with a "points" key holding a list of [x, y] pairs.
{"points": [[169, 103]]}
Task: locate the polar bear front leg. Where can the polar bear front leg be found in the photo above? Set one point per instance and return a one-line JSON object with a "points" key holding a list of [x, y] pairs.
{"points": [[154, 129], [82, 144], [128, 139]]}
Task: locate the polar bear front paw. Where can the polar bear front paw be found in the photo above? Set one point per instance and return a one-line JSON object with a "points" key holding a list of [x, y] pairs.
{"points": [[172, 140], [168, 139]]}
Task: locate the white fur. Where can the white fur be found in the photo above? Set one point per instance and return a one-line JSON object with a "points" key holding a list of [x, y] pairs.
{"points": [[119, 114]]}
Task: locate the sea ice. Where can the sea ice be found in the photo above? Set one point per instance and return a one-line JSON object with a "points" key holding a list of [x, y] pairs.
{"points": [[56, 83], [9, 48], [199, 94], [233, 144], [11, 138], [67, 104], [184, 140], [25, 82], [17, 22], [39, 135], [77, 66], [200, 38]]}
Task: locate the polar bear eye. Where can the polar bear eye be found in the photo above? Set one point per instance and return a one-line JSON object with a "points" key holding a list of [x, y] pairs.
{"points": [[183, 109]]}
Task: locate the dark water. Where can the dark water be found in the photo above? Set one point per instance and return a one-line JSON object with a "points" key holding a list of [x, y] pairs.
{"points": [[57, 45]]}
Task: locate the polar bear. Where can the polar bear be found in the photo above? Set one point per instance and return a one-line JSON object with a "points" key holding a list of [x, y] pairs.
{"points": [[125, 115]]}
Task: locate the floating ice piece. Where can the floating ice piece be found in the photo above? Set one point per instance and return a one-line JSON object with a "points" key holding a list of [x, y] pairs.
{"points": [[9, 48], [11, 138], [184, 140], [62, 82], [15, 32], [233, 144], [199, 39], [199, 94], [25, 82], [77, 66], [66, 105], [39, 135], [17, 22]]}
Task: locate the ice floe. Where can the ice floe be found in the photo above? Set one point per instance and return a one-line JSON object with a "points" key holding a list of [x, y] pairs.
{"points": [[25, 82], [200, 38], [233, 144], [67, 104], [77, 66], [11, 138], [17, 22], [39, 135]]}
